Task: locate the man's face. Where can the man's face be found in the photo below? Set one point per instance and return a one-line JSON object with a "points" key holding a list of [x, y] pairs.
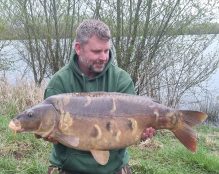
{"points": [[93, 55]]}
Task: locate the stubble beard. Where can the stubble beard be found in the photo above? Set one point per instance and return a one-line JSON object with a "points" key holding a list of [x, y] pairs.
{"points": [[97, 66], [94, 66]]}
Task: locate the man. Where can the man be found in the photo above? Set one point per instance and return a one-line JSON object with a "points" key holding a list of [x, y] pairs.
{"points": [[90, 69]]}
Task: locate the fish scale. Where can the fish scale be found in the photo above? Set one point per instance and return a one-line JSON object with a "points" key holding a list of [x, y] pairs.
{"points": [[101, 121]]}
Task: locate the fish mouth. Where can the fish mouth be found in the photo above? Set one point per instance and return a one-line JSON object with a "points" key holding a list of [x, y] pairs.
{"points": [[15, 126]]}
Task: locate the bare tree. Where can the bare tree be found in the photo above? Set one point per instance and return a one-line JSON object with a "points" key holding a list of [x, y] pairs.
{"points": [[205, 101], [4, 62], [46, 32], [188, 65], [149, 37]]}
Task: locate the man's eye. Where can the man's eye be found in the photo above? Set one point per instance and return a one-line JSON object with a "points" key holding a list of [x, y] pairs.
{"points": [[97, 52], [106, 51]]}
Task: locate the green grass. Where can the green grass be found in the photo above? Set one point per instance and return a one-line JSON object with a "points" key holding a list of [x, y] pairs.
{"points": [[21, 153], [165, 154], [24, 154]]}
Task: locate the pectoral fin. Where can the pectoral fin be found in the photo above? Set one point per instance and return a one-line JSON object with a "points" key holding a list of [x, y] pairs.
{"points": [[68, 140], [101, 157]]}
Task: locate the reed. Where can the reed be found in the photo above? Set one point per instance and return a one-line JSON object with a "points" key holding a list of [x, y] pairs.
{"points": [[16, 98]]}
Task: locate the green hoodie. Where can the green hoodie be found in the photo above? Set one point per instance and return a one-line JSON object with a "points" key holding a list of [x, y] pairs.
{"points": [[71, 79]]}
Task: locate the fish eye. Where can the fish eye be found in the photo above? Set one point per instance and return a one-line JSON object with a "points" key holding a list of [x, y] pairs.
{"points": [[30, 114]]}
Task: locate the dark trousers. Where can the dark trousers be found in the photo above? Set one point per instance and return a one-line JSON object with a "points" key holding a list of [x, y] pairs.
{"points": [[55, 170]]}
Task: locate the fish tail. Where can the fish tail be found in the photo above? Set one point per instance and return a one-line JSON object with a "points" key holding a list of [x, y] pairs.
{"points": [[184, 131]]}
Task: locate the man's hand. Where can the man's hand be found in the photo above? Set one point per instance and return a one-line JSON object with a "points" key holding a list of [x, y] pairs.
{"points": [[148, 133], [49, 138]]}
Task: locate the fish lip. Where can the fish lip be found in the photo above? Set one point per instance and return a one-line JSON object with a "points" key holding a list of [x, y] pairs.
{"points": [[15, 125]]}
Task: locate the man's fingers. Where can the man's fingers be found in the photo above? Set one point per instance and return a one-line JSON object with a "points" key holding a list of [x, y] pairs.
{"points": [[152, 131], [49, 138], [148, 133]]}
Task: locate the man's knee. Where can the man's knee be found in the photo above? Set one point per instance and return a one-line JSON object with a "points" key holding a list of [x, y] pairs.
{"points": [[56, 170], [53, 170]]}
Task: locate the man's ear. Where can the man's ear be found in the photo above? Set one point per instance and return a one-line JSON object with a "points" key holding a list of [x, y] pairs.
{"points": [[77, 48]]}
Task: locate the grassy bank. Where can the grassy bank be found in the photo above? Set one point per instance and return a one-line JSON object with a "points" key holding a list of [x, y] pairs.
{"points": [[21, 153], [164, 154], [24, 154]]}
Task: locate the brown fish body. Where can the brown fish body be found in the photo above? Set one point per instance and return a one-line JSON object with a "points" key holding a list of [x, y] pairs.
{"points": [[98, 122], [103, 120]]}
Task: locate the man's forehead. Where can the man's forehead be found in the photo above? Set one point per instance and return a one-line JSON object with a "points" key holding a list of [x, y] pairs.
{"points": [[96, 43]]}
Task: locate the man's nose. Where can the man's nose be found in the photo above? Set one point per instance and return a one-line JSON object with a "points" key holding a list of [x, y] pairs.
{"points": [[104, 56]]}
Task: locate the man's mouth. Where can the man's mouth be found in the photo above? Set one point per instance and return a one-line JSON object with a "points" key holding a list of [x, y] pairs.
{"points": [[100, 65]]}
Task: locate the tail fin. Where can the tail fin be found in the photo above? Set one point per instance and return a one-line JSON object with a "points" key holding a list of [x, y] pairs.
{"points": [[184, 131]]}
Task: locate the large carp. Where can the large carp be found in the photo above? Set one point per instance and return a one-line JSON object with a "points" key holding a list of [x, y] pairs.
{"points": [[100, 121]]}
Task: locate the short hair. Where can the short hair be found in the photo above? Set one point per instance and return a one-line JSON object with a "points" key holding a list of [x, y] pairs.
{"points": [[92, 27]]}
